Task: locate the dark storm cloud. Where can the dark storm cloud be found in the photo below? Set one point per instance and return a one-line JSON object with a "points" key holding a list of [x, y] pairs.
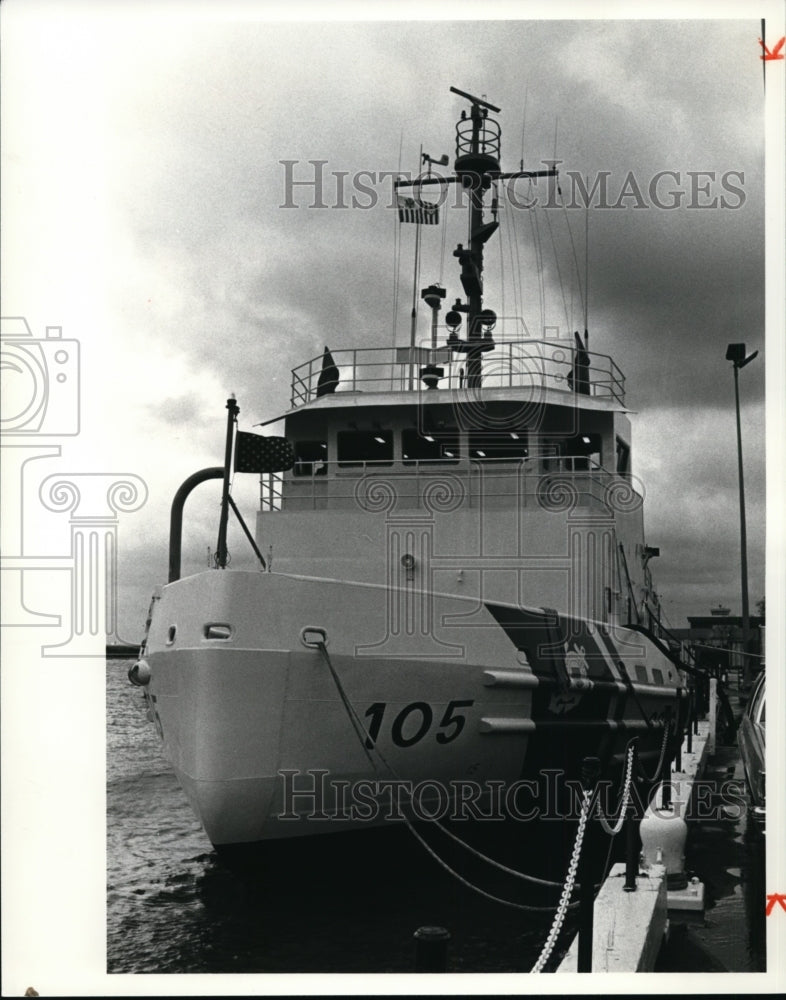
{"points": [[682, 279]]}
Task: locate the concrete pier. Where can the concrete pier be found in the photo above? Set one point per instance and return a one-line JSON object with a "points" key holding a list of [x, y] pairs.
{"points": [[629, 927]]}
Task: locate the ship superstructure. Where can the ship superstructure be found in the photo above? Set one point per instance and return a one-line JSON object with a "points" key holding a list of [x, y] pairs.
{"points": [[453, 582]]}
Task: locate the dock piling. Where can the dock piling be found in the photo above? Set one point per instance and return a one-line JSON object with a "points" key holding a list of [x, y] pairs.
{"points": [[431, 949], [678, 758], [631, 851], [713, 715]]}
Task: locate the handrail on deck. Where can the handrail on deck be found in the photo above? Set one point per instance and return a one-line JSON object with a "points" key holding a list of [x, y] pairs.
{"points": [[559, 486], [512, 364]]}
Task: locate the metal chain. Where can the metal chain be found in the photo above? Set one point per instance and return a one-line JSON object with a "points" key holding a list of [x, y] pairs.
{"points": [[567, 891], [612, 831], [148, 622]]}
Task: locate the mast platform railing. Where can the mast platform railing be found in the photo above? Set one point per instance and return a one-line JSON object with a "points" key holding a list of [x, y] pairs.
{"points": [[520, 364]]}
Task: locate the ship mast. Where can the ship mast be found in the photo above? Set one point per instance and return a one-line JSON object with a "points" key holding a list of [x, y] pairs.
{"points": [[476, 166], [477, 159]]}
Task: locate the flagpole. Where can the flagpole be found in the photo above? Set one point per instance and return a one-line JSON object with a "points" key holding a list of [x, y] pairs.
{"points": [[413, 327], [397, 250], [414, 322], [586, 272], [221, 547]]}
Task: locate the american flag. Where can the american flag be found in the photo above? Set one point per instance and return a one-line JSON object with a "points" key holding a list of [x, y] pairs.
{"points": [[255, 453], [422, 212]]}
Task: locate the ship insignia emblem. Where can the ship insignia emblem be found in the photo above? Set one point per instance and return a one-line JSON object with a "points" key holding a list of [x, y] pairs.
{"points": [[576, 666]]}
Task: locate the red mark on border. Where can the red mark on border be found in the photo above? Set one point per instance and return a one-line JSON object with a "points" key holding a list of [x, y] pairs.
{"points": [[775, 897], [776, 52]]}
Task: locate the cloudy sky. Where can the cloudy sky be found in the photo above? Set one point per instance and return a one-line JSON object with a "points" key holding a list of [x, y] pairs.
{"points": [[143, 187]]}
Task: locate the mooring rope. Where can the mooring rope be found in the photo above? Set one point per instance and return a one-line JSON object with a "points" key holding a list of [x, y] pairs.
{"points": [[471, 885], [664, 742], [368, 744], [148, 623], [360, 730]]}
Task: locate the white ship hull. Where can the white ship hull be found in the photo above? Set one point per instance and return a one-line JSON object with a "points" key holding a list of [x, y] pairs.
{"points": [[258, 732]]}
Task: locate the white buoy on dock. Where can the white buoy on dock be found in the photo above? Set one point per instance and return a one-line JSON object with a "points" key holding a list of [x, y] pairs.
{"points": [[664, 831], [663, 835]]}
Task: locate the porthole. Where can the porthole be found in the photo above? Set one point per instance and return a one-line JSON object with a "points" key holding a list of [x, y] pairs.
{"points": [[217, 630]]}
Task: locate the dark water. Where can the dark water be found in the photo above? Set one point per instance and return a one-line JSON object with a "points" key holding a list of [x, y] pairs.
{"points": [[173, 905]]}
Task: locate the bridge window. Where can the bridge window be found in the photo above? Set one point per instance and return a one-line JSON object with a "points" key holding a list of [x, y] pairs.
{"points": [[357, 447], [498, 444], [310, 458], [579, 453], [442, 446]]}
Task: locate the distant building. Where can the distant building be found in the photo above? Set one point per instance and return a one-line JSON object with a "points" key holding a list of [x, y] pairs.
{"points": [[716, 638]]}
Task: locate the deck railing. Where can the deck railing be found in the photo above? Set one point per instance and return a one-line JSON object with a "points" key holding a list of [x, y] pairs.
{"points": [[557, 484], [529, 364]]}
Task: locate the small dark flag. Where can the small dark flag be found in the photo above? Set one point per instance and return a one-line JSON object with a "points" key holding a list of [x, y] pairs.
{"points": [[328, 377], [578, 377], [422, 212], [255, 453]]}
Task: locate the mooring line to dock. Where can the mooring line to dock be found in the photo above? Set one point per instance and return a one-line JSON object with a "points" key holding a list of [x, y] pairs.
{"points": [[368, 744], [612, 831], [664, 744]]}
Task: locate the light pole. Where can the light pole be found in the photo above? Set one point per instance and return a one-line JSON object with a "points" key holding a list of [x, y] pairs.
{"points": [[736, 354]]}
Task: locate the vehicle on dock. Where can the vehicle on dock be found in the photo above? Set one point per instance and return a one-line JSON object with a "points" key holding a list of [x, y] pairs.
{"points": [[453, 591], [752, 743]]}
